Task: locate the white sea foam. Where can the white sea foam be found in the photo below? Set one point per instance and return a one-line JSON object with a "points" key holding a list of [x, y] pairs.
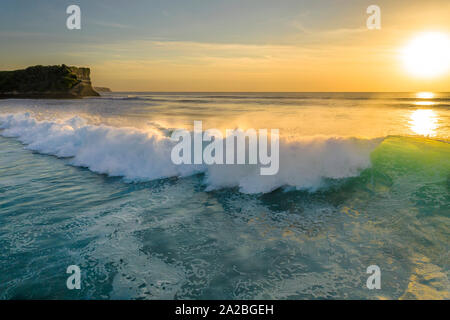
{"points": [[141, 156]]}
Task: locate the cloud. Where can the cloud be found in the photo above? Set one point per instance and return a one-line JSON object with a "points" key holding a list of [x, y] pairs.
{"points": [[112, 25]]}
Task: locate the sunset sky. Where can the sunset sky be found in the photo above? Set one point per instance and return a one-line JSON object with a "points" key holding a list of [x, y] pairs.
{"points": [[226, 45]]}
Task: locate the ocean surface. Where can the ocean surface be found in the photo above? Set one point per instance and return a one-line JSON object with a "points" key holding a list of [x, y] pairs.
{"points": [[364, 180]]}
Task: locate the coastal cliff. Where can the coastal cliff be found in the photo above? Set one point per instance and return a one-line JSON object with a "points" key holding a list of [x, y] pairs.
{"points": [[61, 82]]}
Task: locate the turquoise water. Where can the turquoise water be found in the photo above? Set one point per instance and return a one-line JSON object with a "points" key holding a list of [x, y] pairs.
{"points": [[78, 187]]}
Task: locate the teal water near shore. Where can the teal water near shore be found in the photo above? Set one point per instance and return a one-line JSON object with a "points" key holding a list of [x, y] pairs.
{"points": [[369, 183]]}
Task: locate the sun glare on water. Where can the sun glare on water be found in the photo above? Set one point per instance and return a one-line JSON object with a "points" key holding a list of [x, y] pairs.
{"points": [[424, 122], [424, 99], [425, 95], [427, 55]]}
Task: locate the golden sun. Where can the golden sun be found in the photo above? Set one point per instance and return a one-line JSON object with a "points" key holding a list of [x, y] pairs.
{"points": [[427, 55]]}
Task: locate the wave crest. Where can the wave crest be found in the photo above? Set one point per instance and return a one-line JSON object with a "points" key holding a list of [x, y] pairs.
{"points": [[139, 155]]}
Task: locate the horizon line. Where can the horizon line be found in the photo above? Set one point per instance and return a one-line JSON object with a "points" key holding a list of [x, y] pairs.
{"points": [[127, 91]]}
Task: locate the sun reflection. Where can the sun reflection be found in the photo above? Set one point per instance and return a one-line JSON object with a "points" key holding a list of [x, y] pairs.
{"points": [[424, 103], [425, 95], [424, 122]]}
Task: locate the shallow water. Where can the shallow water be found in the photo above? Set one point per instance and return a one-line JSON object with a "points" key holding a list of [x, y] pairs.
{"points": [[367, 181]]}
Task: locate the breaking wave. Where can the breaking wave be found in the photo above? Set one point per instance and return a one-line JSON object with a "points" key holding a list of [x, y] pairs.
{"points": [[137, 155]]}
